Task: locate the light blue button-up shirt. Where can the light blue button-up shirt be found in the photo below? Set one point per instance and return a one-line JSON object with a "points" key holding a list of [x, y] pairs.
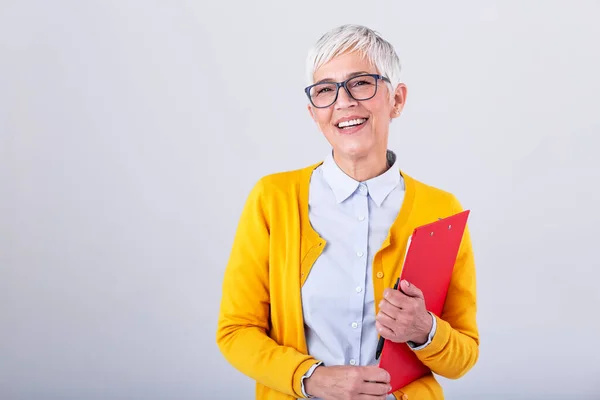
{"points": [[337, 297]]}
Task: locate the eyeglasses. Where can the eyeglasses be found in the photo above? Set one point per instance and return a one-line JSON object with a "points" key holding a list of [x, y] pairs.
{"points": [[360, 88]]}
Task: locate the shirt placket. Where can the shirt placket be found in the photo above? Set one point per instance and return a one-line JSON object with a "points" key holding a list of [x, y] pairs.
{"points": [[361, 213]]}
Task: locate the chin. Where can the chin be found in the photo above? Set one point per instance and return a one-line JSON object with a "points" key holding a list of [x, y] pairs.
{"points": [[354, 143], [353, 150]]}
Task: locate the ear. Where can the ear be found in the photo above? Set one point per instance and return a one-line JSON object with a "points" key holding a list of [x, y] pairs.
{"points": [[399, 100], [311, 111]]}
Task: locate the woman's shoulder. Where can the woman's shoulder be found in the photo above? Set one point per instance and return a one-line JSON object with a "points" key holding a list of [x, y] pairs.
{"points": [[284, 185], [284, 180]]}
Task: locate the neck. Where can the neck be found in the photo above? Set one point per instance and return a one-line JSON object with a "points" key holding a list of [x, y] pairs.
{"points": [[363, 168]]}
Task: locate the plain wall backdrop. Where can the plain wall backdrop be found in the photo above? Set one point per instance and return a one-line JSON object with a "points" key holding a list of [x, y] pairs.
{"points": [[132, 131]]}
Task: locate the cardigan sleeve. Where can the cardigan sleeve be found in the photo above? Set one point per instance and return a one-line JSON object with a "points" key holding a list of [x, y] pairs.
{"points": [[244, 320], [454, 348]]}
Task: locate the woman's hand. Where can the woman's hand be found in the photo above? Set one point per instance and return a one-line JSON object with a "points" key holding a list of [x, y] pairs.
{"points": [[403, 316], [348, 383]]}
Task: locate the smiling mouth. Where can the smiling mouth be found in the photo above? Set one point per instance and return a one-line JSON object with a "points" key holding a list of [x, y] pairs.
{"points": [[351, 123]]}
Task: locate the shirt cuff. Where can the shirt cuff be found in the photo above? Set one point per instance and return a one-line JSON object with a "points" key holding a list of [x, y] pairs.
{"points": [[413, 345], [308, 375]]}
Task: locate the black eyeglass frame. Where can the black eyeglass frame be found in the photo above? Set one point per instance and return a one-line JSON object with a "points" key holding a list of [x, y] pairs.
{"points": [[343, 84]]}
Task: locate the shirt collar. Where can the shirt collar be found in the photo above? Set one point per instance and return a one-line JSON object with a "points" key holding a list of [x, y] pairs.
{"points": [[378, 187]]}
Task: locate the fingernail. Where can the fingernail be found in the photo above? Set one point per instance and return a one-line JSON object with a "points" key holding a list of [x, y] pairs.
{"points": [[407, 283], [380, 303], [386, 292]]}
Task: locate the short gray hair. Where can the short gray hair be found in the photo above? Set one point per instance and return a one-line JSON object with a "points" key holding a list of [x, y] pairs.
{"points": [[350, 37]]}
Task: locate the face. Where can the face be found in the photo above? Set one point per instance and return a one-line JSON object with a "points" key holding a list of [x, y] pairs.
{"points": [[373, 116]]}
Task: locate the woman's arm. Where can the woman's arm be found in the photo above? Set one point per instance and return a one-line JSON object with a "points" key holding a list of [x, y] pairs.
{"points": [[242, 331], [454, 349]]}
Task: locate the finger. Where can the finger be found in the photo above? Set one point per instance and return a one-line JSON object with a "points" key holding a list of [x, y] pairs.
{"points": [[397, 313], [390, 309], [396, 297], [411, 290], [386, 321], [373, 373], [385, 331], [370, 397], [374, 389]]}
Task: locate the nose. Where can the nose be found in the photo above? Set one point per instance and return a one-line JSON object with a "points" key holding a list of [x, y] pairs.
{"points": [[344, 100]]}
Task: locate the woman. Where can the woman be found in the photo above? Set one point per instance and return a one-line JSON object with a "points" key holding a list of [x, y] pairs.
{"points": [[306, 289]]}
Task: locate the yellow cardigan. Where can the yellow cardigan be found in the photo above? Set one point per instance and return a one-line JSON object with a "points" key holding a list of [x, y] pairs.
{"points": [[260, 327]]}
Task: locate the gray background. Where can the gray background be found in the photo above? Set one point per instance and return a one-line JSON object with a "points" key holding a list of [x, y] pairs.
{"points": [[131, 133]]}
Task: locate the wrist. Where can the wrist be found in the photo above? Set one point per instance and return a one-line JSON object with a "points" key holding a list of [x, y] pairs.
{"points": [[423, 329], [312, 383]]}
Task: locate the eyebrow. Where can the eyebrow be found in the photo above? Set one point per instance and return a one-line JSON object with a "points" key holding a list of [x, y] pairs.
{"points": [[353, 74]]}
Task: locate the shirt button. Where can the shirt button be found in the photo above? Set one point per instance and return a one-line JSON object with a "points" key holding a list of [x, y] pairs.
{"points": [[380, 274], [352, 361], [358, 289], [354, 325], [360, 253], [361, 218]]}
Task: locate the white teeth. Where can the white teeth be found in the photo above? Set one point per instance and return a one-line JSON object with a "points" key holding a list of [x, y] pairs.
{"points": [[352, 122]]}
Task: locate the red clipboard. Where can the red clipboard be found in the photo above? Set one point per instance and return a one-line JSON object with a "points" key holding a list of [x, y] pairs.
{"points": [[431, 254]]}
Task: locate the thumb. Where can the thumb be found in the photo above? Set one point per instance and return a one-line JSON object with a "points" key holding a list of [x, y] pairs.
{"points": [[377, 374], [410, 290]]}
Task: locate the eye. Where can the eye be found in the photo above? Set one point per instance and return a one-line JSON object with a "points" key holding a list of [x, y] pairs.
{"points": [[323, 89], [361, 82]]}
